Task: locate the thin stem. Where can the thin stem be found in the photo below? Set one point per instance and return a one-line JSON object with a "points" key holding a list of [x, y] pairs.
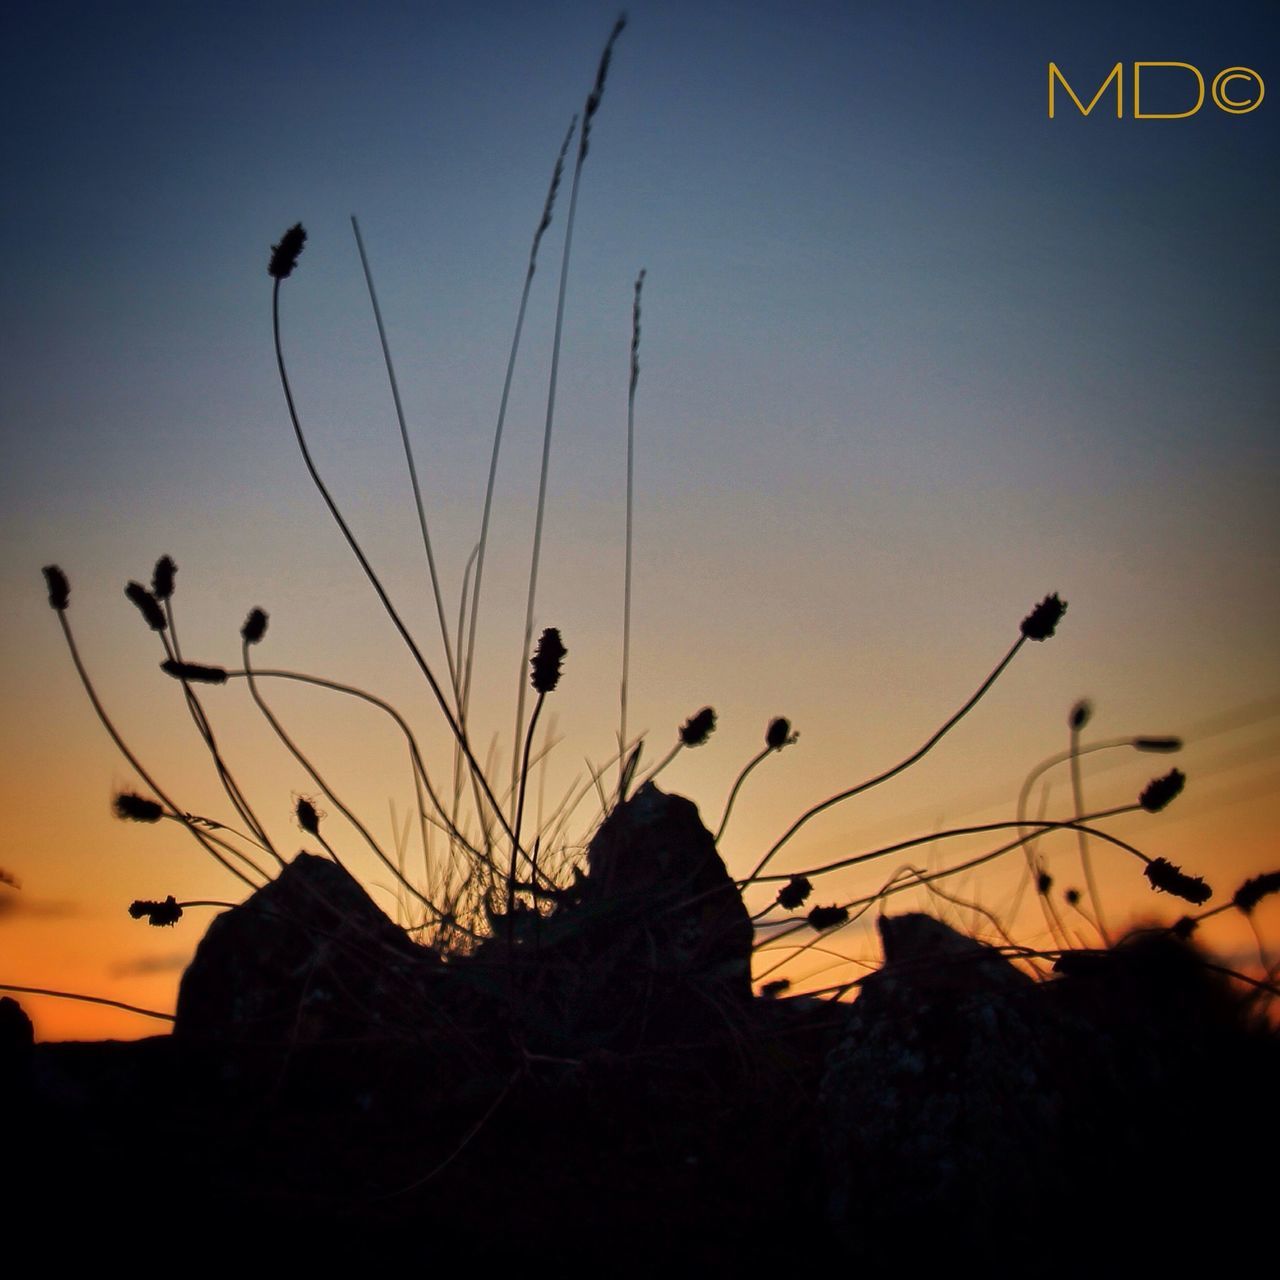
{"points": [[524, 778], [737, 786], [897, 769], [543, 223], [626, 576], [589, 111], [1042, 825], [173, 649], [1077, 800], [990, 856], [297, 754], [415, 753], [454, 726], [198, 835], [408, 453], [73, 995]]}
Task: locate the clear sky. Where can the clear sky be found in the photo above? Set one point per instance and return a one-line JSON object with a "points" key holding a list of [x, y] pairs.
{"points": [[913, 356]]}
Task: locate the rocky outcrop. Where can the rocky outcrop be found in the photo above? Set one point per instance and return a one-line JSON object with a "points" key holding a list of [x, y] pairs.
{"points": [[968, 1097], [309, 958]]}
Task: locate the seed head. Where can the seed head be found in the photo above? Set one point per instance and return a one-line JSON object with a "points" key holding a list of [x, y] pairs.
{"points": [[162, 578], [158, 913], [1161, 792], [255, 626], [1080, 715], [1044, 882], [828, 917], [697, 729], [1249, 894], [147, 605], [1161, 745], [284, 256], [794, 893], [1184, 927], [59, 587], [135, 808], [1072, 897], [1041, 622], [1167, 878], [194, 672], [778, 734], [308, 816], [546, 661]]}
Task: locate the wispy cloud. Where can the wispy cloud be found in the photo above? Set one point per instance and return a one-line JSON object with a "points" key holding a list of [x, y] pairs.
{"points": [[150, 964], [15, 904]]}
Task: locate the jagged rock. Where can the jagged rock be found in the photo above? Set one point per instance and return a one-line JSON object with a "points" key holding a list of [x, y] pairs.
{"points": [[967, 1096], [306, 959], [942, 1092], [653, 868], [17, 1036], [651, 946]]}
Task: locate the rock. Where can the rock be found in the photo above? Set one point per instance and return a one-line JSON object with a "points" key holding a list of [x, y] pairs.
{"points": [[940, 1102], [969, 1097], [654, 870], [307, 959], [652, 946], [17, 1038]]}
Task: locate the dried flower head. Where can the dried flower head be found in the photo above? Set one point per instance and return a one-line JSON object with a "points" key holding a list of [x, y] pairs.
{"points": [[1041, 622], [194, 672], [59, 587], [546, 661], [1184, 927], [697, 729], [1167, 878], [1161, 792], [147, 605], [135, 808], [158, 914], [1080, 715], [1044, 882], [1249, 894], [255, 626], [162, 578], [1159, 745], [794, 893], [1072, 897], [308, 816], [778, 734], [597, 90], [828, 917], [284, 256]]}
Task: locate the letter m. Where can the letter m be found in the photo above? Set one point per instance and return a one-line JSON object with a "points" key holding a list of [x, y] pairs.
{"points": [[1117, 74]]}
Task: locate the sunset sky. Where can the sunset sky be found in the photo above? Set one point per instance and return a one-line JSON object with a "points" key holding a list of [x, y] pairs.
{"points": [[913, 356]]}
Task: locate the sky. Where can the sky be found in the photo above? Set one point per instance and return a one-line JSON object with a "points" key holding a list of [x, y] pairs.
{"points": [[913, 355]]}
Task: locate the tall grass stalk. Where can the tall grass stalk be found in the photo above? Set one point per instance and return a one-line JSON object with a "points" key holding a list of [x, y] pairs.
{"points": [[408, 455], [588, 114], [626, 574]]}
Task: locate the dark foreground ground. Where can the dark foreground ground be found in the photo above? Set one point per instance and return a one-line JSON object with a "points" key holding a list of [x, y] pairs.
{"points": [[597, 1088]]}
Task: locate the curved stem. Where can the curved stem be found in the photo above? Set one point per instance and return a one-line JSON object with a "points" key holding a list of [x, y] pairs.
{"points": [[408, 453], [374, 581], [737, 786], [196, 834], [889, 773]]}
